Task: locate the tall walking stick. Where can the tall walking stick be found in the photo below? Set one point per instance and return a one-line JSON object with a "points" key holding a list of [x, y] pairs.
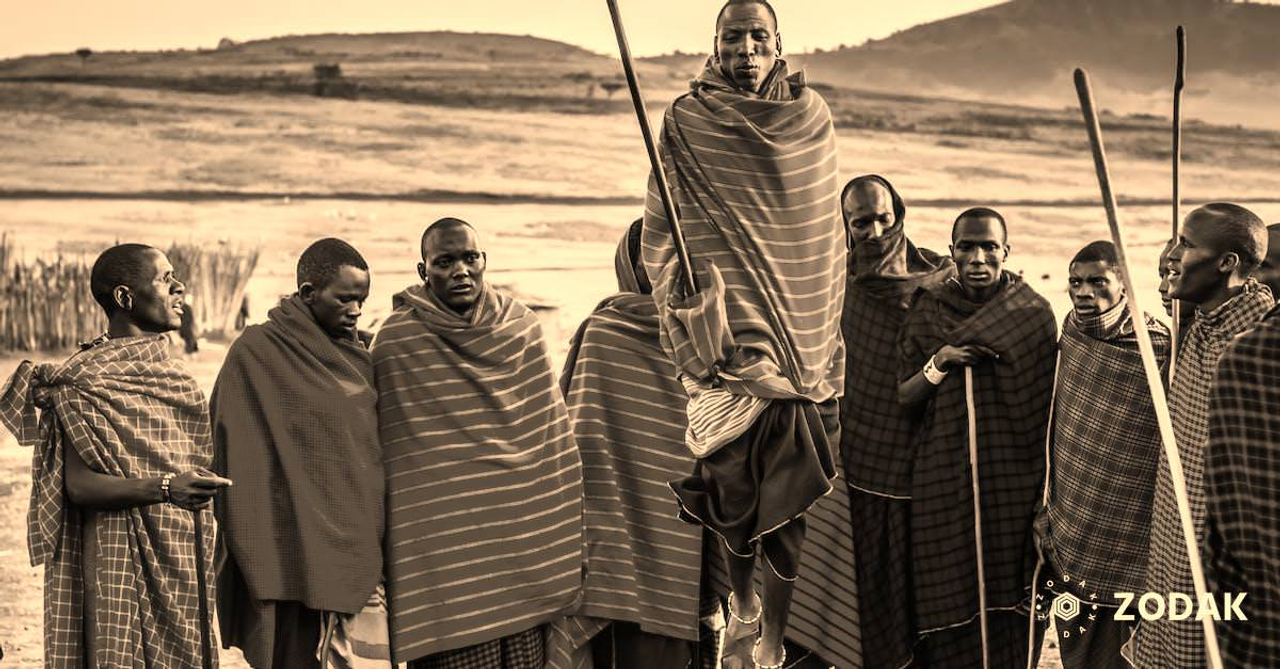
{"points": [[206, 624], [1179, 80], [977, 511], [655, 163], [1148, 361]]}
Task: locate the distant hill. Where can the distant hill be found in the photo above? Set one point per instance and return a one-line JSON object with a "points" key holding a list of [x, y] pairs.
{"points": [[448, 68], [1024, 51]]}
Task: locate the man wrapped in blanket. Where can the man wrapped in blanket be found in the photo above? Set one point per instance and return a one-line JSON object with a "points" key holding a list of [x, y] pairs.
{"points": [[1211, 267], [121, 445], [295, 424], [484, 483], [750, 155], [1105, 446], [990, 321]]}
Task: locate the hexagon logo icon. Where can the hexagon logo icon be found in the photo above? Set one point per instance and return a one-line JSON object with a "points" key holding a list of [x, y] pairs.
{"points": [[1066, 606]]}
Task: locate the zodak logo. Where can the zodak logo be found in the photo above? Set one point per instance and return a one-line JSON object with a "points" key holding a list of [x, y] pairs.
{"points": [[1179, 606], [1072, 617]]}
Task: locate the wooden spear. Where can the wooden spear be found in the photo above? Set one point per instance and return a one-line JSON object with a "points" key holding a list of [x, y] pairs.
{"points": [[1148, 360], [655, 163], [1180, 79]]}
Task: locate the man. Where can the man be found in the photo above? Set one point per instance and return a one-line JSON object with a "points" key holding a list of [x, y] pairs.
{"points": [[1242, 494], [295, 424], [1186, 312], [1105, 447], [121, 445], [750, 153], [991, 322], [484, 484], [885, 270], [643, 564], [1220, 246], [1268, 273]]}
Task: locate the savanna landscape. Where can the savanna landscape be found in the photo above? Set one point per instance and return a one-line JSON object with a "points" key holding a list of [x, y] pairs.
{"points": [[269, 145]]}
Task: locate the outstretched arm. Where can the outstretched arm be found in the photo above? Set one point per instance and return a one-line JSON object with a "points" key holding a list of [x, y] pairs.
{"points": [[103, 492]]}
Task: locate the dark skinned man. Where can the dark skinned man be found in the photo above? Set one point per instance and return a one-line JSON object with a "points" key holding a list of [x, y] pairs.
{"points": [[484, 482], [295, 424], [1104, 451], [885, 271], [121, 445], [990, 321], [750, 155], [1220, 246]]}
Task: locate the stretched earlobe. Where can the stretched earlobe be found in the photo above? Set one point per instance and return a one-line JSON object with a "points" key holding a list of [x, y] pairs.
{"points": [[422, 271]]}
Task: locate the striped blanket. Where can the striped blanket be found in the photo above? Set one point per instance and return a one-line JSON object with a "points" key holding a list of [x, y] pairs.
{"points": [[1011, 398], [754, 179], [1180, 643], [484, 484], [1242, 493], [131, 411], [1105, 449], [627, 410]]}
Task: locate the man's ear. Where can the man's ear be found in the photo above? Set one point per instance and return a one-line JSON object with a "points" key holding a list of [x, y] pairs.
{"points": [[1007, 247], [123, 297], [307, 291], [715, 49], [1229, 263], [422, 271], [777, 44]]}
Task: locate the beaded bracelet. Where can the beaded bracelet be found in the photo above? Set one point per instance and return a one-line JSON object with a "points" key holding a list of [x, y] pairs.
{"points": [[164, 487]]}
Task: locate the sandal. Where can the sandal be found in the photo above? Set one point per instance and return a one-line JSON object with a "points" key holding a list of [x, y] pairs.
{"points": [[754, 654]]}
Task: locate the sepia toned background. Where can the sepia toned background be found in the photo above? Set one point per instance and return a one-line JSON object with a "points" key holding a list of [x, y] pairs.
{"points": [[243, 131]]}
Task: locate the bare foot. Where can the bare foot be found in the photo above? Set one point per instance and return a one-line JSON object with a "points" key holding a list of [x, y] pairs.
{"points": [[739, 636], [766, 654]]}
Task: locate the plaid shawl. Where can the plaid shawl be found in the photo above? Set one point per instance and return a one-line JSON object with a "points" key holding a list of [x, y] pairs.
{"points": [[1105, 448], [484, 484], [294, 410], [130, 411], [643, 563], [1012, 397], [1242, 493], [875, 430], [1174, 643], [754, 179]]}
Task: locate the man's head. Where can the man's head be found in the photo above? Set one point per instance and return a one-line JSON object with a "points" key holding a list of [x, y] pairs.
{"points": [[1219, 246], [979, 246], [1269, 271], [134, 284], [1094, 280], [452, 263], [747, 42], [870, 206], [333, 281]]}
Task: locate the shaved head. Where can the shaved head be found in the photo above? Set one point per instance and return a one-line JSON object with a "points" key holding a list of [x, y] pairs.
{"points": [[1268, 272], [130, 265], [320, 263], [1233, 229], [979, 213], [731, 3], [442, 225]]}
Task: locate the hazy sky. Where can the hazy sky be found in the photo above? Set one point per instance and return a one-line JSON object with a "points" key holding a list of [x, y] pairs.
{"points": [[653, 26]]}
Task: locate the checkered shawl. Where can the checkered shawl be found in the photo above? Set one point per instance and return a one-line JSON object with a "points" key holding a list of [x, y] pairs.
{"points": [[1242, 493], [875, 430], [627, 409], [1011, 397], [129, 411], [754, 180], [1105, 448], [1174, 643], [484, 481]]}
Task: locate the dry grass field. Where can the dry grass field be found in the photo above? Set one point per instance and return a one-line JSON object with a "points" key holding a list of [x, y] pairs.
{"points": [[154, 151]]}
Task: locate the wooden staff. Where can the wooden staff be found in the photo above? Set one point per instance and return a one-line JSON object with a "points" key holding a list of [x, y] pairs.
{"points": [[655, 163], [1148, 361], [977, 511], [205, 622], [1179, 80]]}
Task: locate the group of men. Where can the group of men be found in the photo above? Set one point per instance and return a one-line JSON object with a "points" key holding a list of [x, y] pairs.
{"points": [[437, 495]]}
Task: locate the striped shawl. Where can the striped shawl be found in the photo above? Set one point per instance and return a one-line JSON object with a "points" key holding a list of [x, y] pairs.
{"points": [[1105, 449], [1011, 397], [1242, 493], [627, 410], [754, 180], [131, 411], [484, 484], [1173, 643]]}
